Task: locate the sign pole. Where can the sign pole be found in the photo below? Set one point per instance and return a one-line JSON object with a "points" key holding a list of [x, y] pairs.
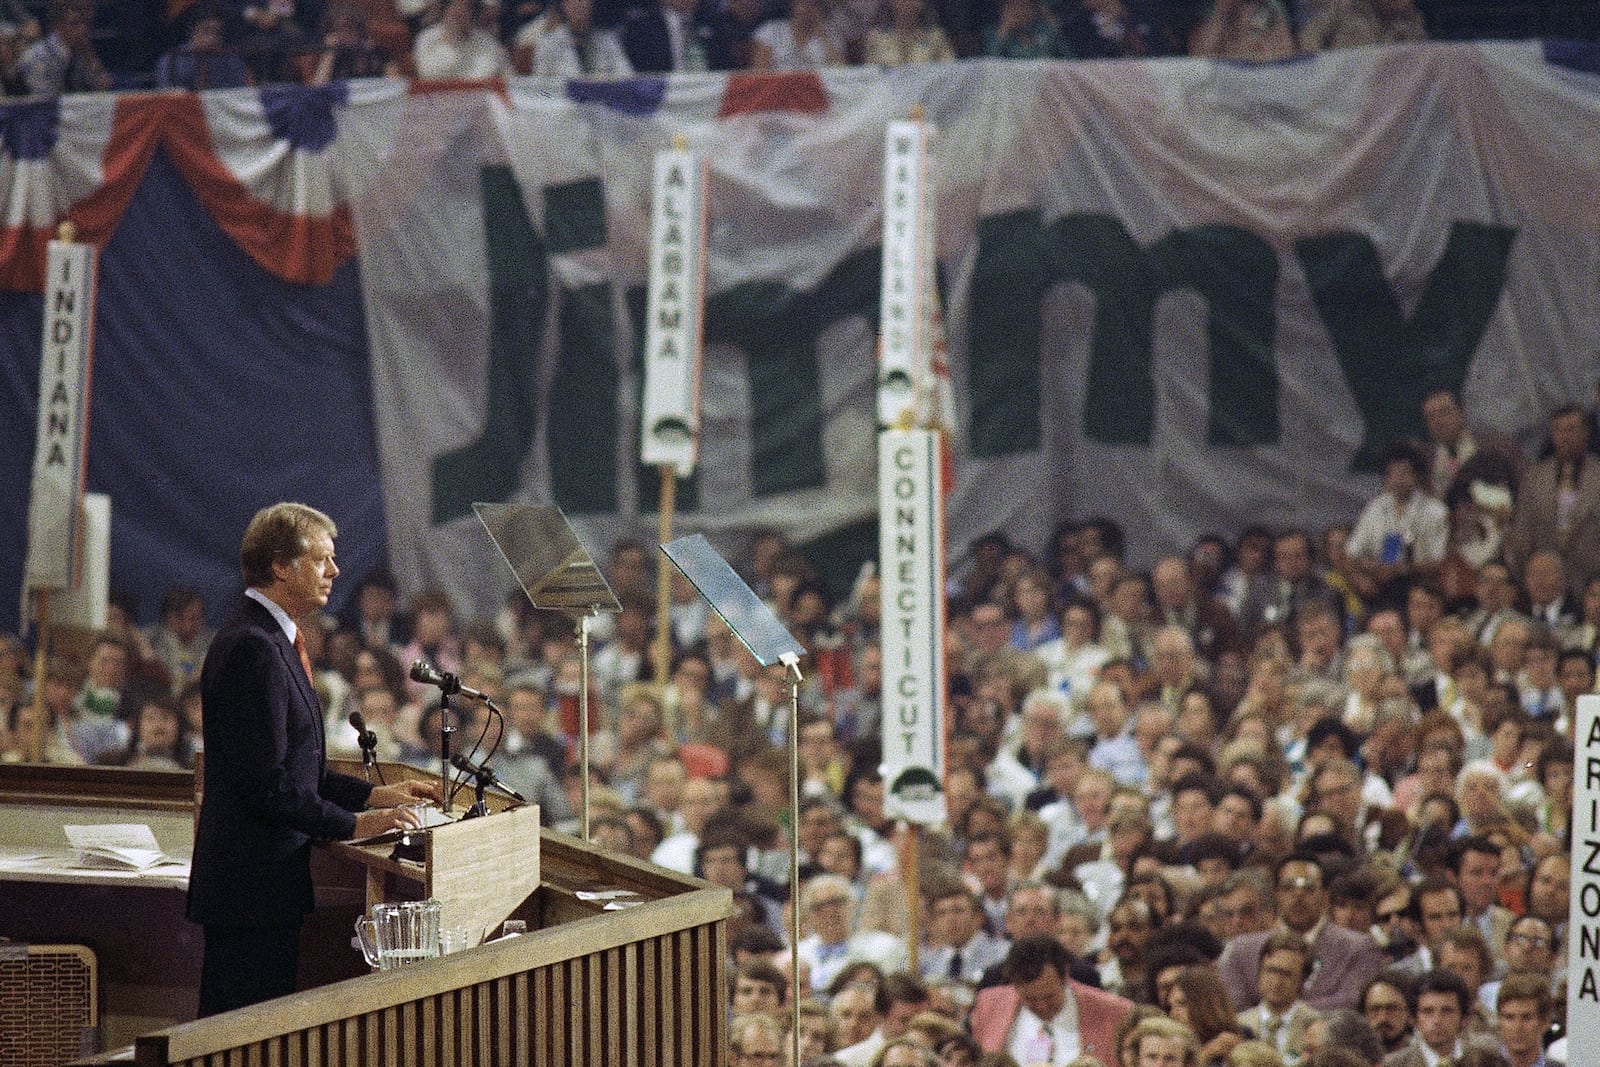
{"points": [[661, 651], [41, 660]]}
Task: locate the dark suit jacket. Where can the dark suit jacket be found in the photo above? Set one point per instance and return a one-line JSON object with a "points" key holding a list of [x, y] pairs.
{"points": [[646, 41], [268, 793], [1346, 961]]}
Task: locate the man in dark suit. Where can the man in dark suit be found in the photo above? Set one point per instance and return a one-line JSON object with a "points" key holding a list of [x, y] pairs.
{"points": [[1345, 960], [665, 36], [268, 793]]}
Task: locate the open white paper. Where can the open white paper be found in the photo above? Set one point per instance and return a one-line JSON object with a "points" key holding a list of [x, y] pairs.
{"points": [[115, 846]]}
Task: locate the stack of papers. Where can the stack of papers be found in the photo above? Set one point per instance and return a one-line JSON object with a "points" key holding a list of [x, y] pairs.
{"points": [[118, 847]]}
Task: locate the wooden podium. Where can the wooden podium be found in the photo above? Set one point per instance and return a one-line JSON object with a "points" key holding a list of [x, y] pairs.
{"points": [[590, 984], [481, 870]]}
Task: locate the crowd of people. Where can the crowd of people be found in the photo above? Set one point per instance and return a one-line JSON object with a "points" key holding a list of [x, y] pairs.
{"points": [[1292, 797], [214, 44]]}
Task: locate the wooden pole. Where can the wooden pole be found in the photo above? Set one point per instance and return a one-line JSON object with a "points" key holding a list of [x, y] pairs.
{"points": [[41, 658], [913, 876], [661, 650]]}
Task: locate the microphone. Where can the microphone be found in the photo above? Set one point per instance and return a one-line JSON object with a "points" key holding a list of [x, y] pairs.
{"points": [[426, 673], [364, 737], [484, 774]]}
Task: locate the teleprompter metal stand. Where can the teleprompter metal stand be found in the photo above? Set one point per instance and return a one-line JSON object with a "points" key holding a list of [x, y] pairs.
{"points": [[556, 573], [759, 630]]}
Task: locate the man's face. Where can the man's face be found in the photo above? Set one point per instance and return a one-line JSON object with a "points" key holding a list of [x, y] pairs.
{"points": [[1443, 417], [305, 582], [108, 667], [1464, 962], [955, 919], [1386, 1011], [1495, 591], [1128, 934], [1302, 898], [836, 856], [988, 865], [1029, 913], [1439, 1021], [1244, 909], [1045, 994], [1291, 558], [1441, 911], [1522, 1027], [1550, 895], [1234, 818], [185, 623], [830, 915], [701, 799], [1282, 975], [1479, 879], [853, 1015], [1528, 946], [751, 996], [816, 823], [525, 710], [663, 785], [990, 630], [1575, 676], [1400, 479], [1568, 436], [1191, 814], [1107, 710], [158, 728], [722, 866], [1340, 794]]}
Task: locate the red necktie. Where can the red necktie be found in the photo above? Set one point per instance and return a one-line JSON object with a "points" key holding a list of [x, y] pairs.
{"points": [[305, 660]]}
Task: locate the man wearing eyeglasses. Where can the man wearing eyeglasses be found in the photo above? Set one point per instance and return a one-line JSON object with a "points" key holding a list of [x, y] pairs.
{"points": [[755, 1041], [1346, 960], [1530, 949]]}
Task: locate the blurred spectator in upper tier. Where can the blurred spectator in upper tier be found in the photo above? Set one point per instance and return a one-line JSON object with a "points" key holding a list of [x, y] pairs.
{"points": [[458, 47], [912, 35], [201, 62], [1558, 505], [1244, 29], [663, 37], [66, 60], [1113, 29], [274, 37], [19, 30], [1351, 23], [804, 40], [1023, 33], [575, 48], [348, 51], [727, 34]]}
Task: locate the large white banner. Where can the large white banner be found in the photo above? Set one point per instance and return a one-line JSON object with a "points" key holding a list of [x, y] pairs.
{"points": [[1186, 295]]}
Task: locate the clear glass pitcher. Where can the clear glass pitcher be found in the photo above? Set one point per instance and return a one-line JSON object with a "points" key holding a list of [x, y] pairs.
{"points": [[395, 934]]}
